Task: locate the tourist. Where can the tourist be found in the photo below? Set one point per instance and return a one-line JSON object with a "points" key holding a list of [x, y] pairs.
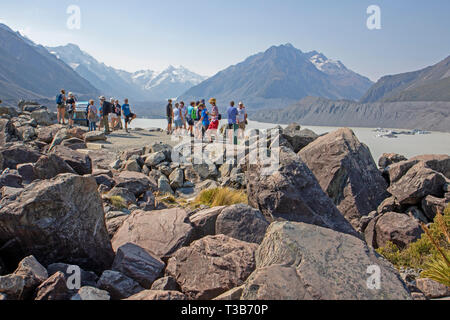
{"points": [[129, 116], [169, 114], [196, 117], [177, 118], [204, 120], [106, 110], [232, 123], [71, 108], [190, 114], [92, 116], [118, 111], [183, 114], [214, 125], [241, 120], [61, 106]]}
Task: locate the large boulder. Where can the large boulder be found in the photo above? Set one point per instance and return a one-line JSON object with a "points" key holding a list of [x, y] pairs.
{"points": [[347, 172], [397, 228], [432, 289], [293, 193], [388, 159], [80, 163], [137, 183], [242, 222], [17, 154], [94, 136], [49, 166], [42, 117], [212, 266], [33, 274], [298, 138], [88, 278], [160, 232], [12, 286], [299, 261], [7, 132], [54, 288], [432, 205], [177, 179], [118, 285], [417, 183], [10, 178], [59, 220], [204, 222], [47, 134], [138, 264], [436, 162], [152, 160]]}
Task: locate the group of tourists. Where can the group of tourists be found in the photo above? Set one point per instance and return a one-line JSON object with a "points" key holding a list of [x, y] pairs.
{"points": [[109, 113], [199, 122]]}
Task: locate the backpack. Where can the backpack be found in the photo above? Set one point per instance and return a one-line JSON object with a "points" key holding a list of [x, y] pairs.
{"points": [[194, 113], [59, 99]]}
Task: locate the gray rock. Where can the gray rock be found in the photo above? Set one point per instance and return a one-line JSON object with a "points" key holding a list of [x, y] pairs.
{"points": [[94, 136], [42, 117], [87, 278], [388, 159], [54, 289], [164, 185], [166, 284], [397, 228], [432, 205], [347, 172], [154, 159], [204, 222], [132, 165], [138, 264], [293, 193], [299, 261], [80, 163], [160, 232], [91, 294], [298, 138], [118, 285], [59, 220], [125, 194], [432, 289], [242, 222], [137, 183], [212, 266], [177, 179], [18, 154], [33, 274], [12, 286], [49, 166]]}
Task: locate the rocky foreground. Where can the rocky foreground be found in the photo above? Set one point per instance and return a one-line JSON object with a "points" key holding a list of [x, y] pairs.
{"points": [[309, 232]]}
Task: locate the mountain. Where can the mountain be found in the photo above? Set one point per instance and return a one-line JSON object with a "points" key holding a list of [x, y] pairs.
{"points": [[29, 71], [429, 84], [141, 85], [428, 115], [280, 76]]}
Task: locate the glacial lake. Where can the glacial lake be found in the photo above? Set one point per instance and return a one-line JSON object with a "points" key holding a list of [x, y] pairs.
{"points": [[407, 145]]}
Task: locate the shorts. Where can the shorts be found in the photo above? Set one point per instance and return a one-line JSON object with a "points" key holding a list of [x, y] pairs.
{"points": [[129, 117], [214, 125], [113, 116], [70, 115], [242, 125], [169, 120], [190, 122], [61, 106], [232, 126], [178, 123]]}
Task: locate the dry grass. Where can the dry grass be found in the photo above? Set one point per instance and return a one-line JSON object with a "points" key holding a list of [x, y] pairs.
{"points": [[221, 197], [118, 202]]}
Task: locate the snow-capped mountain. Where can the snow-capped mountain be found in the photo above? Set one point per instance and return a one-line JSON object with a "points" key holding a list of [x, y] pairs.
{"points": [[326, 65], [140, 85]]}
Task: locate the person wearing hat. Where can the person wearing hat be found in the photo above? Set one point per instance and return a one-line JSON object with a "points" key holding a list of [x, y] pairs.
{"points": [[214, 125], [169, 114], [241, 120], [106, 110]]}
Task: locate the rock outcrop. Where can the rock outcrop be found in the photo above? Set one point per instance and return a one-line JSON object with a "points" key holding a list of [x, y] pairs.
{"points": [[59, 220], [299, 261], [347, 172]]}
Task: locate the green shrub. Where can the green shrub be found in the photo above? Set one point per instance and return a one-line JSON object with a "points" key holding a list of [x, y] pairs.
{"points": [[221, 197], [430, 253]]}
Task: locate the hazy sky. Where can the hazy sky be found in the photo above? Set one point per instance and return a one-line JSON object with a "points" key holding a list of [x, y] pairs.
{"points": [[207, 36]]}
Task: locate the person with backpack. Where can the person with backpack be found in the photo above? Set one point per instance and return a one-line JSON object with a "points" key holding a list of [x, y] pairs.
{"points": [[204, 120], [189, 117], [129, 116], [177, 118], [106, 110], [196, 117], [232, 123], [241, 120], [118, 112], [71, 108], [92, 116], [61, 106]]}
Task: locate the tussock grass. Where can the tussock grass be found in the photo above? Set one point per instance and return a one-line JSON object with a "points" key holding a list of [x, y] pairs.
{"points": [[118, 202], [221, 197], [431, 253]]}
